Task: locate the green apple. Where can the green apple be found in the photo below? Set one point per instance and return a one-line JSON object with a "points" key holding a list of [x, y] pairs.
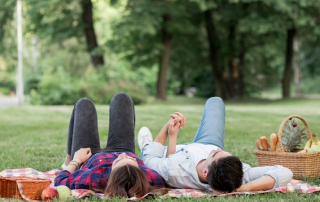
{"points": [[64, 192]]}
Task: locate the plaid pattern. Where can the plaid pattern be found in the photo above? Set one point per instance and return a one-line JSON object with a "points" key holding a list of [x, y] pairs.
{"points": [[29, 172], [293, 185], [95, 171]]}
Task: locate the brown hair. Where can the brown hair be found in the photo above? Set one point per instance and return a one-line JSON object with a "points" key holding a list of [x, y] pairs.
{"points": [[129, 181]]}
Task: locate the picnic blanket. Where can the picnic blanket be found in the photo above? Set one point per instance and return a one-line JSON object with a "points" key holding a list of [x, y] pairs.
{"points": [[293, 185]]}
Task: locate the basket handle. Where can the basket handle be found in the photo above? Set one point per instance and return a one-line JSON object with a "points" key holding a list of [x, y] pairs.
{"points": [[279, 143]]}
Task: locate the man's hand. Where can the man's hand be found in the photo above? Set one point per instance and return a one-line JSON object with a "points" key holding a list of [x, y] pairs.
{"points": [[178, 117], [82, 155], [174, 127]]}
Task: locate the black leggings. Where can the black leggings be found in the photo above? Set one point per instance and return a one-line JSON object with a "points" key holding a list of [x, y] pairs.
{"points": [[83, 127]]}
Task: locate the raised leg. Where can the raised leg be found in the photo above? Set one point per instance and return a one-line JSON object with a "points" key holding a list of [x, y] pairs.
{"points": [[121, 124], [83, 128], [211, 128]]}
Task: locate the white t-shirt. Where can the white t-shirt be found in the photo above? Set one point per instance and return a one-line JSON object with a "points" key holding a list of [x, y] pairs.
{"points": [[197, 151]]}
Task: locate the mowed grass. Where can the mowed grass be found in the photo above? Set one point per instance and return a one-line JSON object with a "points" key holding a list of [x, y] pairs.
{"points": [[35, 136]]}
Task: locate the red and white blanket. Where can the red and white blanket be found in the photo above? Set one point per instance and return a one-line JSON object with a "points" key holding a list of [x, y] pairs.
{"points": [[293, 185]]}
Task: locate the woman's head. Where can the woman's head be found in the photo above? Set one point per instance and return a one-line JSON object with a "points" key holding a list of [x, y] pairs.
{"points": [[129, 181], [124, 159]]}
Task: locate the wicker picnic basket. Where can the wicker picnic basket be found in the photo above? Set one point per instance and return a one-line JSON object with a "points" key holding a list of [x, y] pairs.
{"points": [[32, 187], [303, 165]]}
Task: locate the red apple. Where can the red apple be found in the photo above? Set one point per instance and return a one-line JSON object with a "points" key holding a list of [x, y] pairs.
{"points": [[49, 193]]}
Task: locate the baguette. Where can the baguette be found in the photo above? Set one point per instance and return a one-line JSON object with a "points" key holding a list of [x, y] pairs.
{"points": [[273, 142], [264, 142], [258, 145]]}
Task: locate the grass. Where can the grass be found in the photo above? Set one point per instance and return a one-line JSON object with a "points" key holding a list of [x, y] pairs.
{"points": [[35, 136]]}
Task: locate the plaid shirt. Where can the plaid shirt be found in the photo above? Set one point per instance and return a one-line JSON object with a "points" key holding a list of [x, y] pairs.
{"points": [[96, 171]]}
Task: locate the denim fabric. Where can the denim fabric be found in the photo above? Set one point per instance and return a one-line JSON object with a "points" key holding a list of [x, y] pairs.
{"points": [[211, 128]]}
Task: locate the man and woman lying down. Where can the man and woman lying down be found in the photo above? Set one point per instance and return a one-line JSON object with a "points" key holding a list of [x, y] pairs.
{"points": [[117, 171]]}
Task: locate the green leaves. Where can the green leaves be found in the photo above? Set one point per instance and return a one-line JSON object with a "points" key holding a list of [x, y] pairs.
{"points": [[292, 136]]}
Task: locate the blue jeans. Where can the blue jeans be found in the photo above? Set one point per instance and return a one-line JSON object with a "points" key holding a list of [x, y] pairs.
{"points": [[211, 128]]}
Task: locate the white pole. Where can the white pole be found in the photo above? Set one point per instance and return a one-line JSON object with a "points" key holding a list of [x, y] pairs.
{"points": [[34, 53], [20, 64]]}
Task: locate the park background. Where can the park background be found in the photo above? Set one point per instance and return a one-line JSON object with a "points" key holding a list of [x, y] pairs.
{"points": [[261, 57]]}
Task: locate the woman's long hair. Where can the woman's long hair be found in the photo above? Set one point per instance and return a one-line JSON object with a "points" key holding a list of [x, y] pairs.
{"points": [[129, 181]]}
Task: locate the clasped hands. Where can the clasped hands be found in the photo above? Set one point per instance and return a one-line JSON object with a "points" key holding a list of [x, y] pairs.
{"points": [[176, 123]]}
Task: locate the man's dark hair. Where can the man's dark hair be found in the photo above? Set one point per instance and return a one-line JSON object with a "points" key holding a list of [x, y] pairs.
{"points": [[225, 174]]}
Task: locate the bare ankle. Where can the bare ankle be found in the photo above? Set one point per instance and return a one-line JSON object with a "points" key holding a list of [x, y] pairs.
{"points": [[67, 160]]}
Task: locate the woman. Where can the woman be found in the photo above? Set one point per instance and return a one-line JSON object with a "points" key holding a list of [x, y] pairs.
{"points": [[116, 168]]}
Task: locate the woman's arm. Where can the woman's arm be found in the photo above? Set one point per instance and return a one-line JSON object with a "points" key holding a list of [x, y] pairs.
{"points": [[80, 157], [162, 136], [264, 183]]}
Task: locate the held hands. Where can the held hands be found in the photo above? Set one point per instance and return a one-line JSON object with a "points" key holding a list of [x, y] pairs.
{"points": [[82, 155], [177, 122]]}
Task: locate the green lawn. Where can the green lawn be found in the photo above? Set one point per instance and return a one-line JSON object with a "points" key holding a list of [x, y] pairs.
{"points": [[35, 136]]}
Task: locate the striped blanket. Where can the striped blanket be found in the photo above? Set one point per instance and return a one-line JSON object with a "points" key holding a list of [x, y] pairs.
{"points": [[293, 185]]}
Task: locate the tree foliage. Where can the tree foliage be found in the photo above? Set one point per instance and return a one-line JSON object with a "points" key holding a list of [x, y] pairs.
{"points": [[229, 48]]}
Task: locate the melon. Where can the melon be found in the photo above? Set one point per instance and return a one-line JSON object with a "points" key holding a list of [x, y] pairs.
{"points": [[314, 148]]}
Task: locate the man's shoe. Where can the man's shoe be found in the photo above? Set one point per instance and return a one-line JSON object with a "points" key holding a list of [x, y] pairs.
{"points": [[144, 137]]}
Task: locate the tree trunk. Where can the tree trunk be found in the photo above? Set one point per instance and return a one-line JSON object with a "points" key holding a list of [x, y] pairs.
{"points": [[233, 72], [91, 39], [164, 60], [241, 69], [297, 69], [213, 40], [288, 68]]}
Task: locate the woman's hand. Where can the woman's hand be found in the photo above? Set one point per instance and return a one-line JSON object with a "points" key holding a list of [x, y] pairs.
{"points": [[82, 155]]}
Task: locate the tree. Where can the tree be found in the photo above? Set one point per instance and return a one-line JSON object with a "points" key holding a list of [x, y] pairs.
{"points": [[164, 59], [147, 33], [61, 20], [287, 75], [91, 39], [7, 10], [214, 46]]}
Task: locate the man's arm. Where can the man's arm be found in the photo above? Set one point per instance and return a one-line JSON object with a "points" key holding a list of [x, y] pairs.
{"points": [[171, 128], [177, 122], [163, 134], [173, 133], [264, 183], [263, 178]]}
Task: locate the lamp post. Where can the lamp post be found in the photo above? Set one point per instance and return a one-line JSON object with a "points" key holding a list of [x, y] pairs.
{"points": [[20, 64]]}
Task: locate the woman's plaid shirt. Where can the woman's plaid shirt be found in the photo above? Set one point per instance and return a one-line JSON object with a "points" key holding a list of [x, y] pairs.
{"points": [[96, 170]]}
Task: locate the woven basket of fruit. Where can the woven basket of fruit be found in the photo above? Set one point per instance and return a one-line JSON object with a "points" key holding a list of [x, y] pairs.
{"points": [[284, 149]]}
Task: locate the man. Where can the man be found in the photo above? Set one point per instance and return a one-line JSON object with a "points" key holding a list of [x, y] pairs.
{"points": [[203, 164]]}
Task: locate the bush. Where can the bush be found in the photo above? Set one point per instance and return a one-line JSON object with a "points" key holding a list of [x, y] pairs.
{"points": [[311, 85], [7, 83], [57, 87]]}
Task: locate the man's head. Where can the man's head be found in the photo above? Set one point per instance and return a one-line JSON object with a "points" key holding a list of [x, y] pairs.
{"points": [[225, 174], [223, 171]]}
